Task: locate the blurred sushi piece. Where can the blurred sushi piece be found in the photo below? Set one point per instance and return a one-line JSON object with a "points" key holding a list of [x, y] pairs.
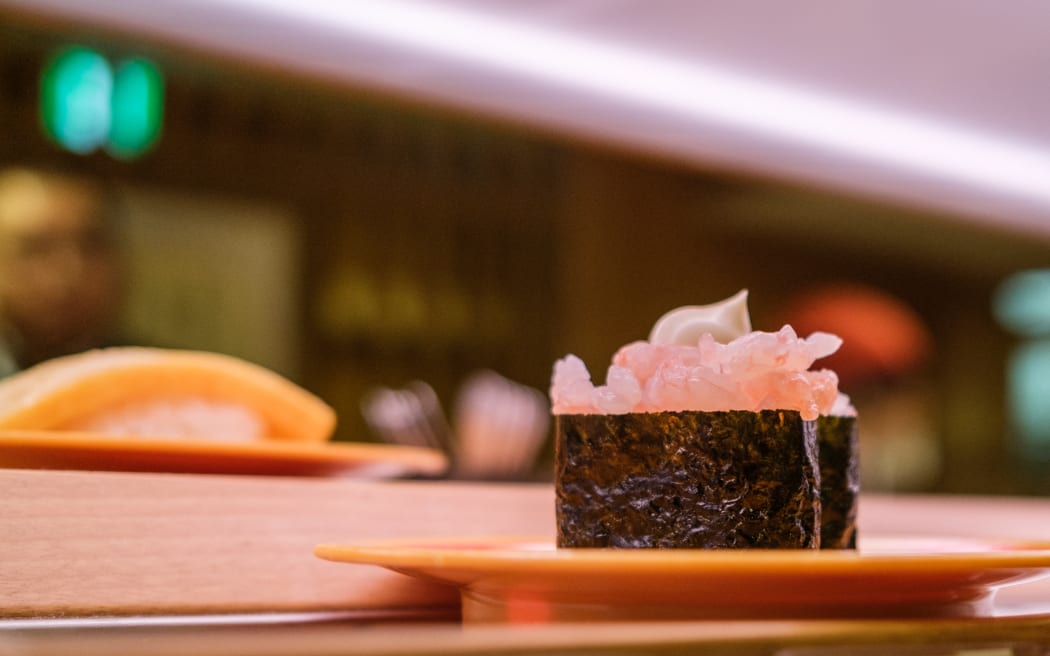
{"points": [[163, 393]]}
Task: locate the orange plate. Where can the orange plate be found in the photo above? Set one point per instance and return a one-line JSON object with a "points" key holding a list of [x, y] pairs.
{"points": [[527, 580], [30, 449]]}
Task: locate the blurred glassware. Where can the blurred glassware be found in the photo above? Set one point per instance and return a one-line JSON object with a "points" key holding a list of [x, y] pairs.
{"points": [[411, 416], [500, 426]]}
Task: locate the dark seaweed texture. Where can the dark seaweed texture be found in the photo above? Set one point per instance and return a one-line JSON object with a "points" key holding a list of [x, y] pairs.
{"points": [[839, 481], [700, 480]]}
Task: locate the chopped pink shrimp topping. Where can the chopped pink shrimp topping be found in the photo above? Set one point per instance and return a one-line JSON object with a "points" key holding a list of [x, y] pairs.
{"points": [[757, 371]]}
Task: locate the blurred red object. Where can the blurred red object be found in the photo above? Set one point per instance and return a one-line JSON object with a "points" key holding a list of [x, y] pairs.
{"points": [[883, 337]]}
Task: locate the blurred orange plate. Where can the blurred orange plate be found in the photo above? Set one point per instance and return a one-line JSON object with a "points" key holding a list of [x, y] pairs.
{"points": [[30, 449], [527, 581]]}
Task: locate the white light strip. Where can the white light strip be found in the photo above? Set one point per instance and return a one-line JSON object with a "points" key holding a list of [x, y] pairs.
{"points": [[688, 89]]}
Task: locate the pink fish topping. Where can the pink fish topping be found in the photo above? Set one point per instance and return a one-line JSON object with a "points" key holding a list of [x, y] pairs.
{"points": [[757, 371]]}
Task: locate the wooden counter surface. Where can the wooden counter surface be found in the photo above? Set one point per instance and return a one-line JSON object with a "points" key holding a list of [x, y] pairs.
{"points": [[105, 563]]}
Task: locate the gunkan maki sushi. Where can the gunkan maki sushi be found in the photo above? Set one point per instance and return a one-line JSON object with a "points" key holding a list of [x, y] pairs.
{"points": [[704, 436]]}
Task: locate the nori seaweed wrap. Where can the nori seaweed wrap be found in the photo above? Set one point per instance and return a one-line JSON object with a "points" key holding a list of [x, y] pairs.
{"points": [[689, 479], [839, 481]]}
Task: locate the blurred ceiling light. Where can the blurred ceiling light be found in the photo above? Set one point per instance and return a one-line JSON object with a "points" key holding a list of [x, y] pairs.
{"points": [[688, 89]]}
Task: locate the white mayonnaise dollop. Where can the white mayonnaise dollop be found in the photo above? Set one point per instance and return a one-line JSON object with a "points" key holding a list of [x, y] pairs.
{"points": [[725, 320]]}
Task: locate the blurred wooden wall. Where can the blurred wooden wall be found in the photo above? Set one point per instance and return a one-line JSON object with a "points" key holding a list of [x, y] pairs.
{"points": [[433, 244]]}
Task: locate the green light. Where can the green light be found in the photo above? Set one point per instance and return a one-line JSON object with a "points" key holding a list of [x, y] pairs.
{"points": [[1028, 393], [1022, 303], [75, 99], [85, 104], [137, 108]]}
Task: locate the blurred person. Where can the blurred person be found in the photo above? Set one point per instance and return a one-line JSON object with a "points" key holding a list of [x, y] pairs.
{"points": [[60, 278]]}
